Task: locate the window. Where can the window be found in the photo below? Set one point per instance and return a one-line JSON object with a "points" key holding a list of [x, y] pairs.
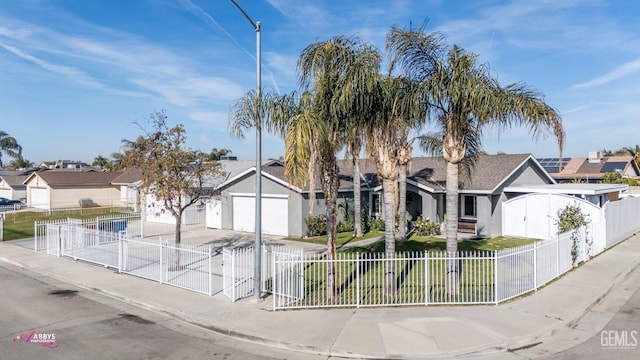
{"points": [[375, 205], [469, 206]]}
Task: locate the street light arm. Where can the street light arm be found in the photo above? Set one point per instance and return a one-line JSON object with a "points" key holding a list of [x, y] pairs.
{"points": [[256, 25]]}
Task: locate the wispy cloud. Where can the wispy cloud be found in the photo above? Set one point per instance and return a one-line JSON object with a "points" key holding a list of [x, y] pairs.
{"points": [[617, 73]]}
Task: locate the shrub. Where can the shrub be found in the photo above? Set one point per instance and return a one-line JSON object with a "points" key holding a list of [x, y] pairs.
{"points": [[377, 224], [571, 218], [316, 225], [426, 227], [345, 226]]}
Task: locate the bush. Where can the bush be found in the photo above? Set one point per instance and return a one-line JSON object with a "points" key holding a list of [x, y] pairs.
{"points": [[316, 225], [377, 224], [345, 226], [426, 227]]}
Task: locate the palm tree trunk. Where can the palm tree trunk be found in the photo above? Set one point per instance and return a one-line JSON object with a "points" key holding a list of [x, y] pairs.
{"points": [[312, 181], [452, 229], [402, 202], [357, 225], [389, 240], [330, 183]]}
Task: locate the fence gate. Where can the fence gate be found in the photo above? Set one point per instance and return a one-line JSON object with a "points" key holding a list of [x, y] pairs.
{"points": [[288, 276], [238, 269], [54, 241]]}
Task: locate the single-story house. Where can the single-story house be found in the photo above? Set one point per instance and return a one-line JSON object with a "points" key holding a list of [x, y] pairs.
{"points": [[12, 187], [590, 169], [285, 207], [59, 189]]}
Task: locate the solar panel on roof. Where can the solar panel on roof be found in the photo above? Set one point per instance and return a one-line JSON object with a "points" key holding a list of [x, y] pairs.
{"points": [[613, 166], [552, 165]]}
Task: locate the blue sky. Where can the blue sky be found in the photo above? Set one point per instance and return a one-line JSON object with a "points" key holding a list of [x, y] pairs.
{"points": [[76, 75]]}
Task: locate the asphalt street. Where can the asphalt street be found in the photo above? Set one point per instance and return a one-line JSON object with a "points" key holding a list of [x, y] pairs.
{"points": [[84, 325]]}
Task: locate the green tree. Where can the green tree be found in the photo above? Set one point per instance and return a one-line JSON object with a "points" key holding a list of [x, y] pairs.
{"points": [[216, 154], [20, 163], [337, 72], [170, 172], [9, 145], [102, 162], [462, 100]]}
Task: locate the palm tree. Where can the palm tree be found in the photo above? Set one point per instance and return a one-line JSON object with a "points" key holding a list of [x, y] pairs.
{"points": [[101, 162], [10, 146], [463, 99], [397, 111], [217, 154], [293, 118], [354, 146], [339, 73]]}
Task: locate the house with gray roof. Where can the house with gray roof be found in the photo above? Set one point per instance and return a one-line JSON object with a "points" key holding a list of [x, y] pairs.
{"points": [[591, 169], [12, 187], [285, 207], [60, 189]]}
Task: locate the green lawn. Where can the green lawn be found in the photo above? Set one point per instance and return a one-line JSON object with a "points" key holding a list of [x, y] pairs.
{"points": [[341, 239], [422, 243], [19, 224]]}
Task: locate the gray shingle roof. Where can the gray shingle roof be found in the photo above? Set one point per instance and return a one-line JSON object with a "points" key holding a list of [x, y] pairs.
{"points": [[489, 172], [66, 178]]}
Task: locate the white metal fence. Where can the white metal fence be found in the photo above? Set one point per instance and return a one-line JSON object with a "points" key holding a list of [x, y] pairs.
{"points": [[133, 224], [481, 277], [188, 267], [238, 269]]}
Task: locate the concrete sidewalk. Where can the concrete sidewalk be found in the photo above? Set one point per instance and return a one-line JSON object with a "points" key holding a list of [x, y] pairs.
{"points": [[401, 332]]}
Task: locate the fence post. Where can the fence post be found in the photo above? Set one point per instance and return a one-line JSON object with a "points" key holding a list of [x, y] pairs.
{"points": [[35, 235], [358, 263], [60, 248], [161, 254], [210, 277], [495, 277], [535, 266], [120, 255], [558, 255], [426, 277]]}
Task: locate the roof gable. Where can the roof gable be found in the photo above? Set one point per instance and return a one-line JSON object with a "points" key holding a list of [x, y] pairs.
{"points": [[75, 178]]}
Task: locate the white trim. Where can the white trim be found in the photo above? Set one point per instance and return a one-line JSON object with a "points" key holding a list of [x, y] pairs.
{"points": [[530, 157], [264, 174], [582, 189], [272, 196]]}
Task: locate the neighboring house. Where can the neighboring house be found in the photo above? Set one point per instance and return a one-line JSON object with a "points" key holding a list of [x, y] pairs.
{"points": [[129, 183], [12, 187], [285, 207], [590, 169], [59, 189]]}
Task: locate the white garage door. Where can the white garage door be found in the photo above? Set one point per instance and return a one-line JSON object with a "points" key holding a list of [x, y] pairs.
{"points": [[39, 198], [275, 213], [5, 193]]}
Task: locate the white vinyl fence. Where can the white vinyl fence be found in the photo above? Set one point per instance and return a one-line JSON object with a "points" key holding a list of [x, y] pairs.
{"points": [[423, 278], [535, 216]]}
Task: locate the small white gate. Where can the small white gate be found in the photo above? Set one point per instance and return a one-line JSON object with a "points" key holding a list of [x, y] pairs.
{"points": [[238, 269]]}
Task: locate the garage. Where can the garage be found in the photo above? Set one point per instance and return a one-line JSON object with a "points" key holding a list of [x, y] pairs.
{"points": [[39, 198], [275, 213]]}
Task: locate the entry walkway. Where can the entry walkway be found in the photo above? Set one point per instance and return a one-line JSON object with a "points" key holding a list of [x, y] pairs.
{"points": [[403, 332]]}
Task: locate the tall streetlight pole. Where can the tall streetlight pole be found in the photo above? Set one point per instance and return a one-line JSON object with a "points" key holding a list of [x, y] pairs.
{"points": [[257, 275]]}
